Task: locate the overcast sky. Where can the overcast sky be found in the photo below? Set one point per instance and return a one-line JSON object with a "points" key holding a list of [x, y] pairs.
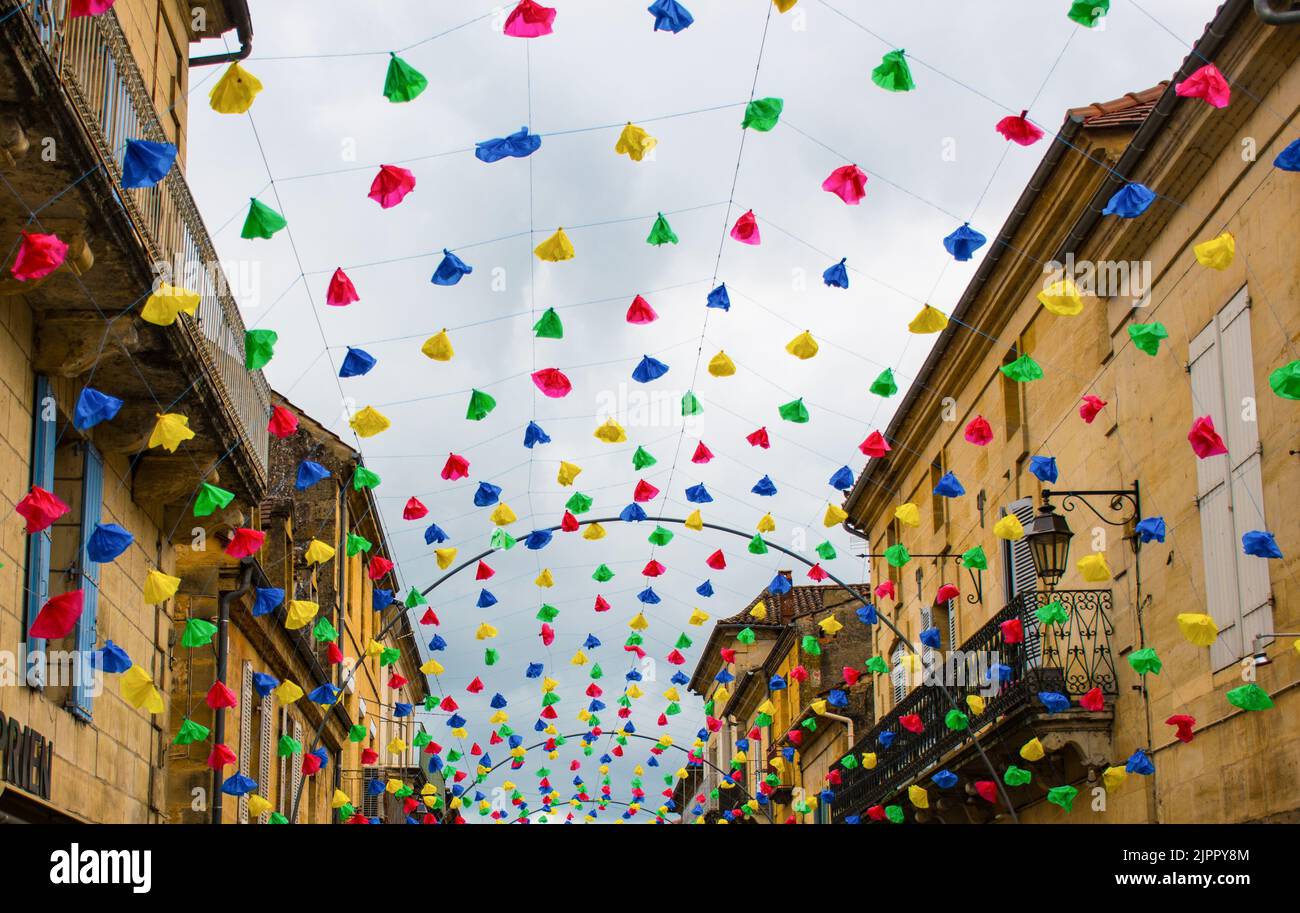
{"points": [[933, 160]]}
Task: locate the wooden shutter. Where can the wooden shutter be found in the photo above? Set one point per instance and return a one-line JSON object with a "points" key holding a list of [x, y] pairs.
{"points": [[282, 789], [245, 733], [296, 777], [92, 499], [266, 742], [953, 606], [44, 437], [1021, 578]]}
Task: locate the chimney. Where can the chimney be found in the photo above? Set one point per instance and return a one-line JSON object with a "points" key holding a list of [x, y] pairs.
{"points": [[787, 603]]}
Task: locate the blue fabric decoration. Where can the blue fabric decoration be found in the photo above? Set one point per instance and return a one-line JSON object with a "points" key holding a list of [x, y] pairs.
{"points": [[534, 435], [437, 644], [949, 487], [698, 494], [931, 638], [648, 596], [324, 694], [357, 363], [1054, 701], [591, 643], [999, 672], [434, 535], [1289, 158], [788, 753], [487, 494], [1261, 544], [538, 539], [843, 479], [1044, 468], [837, 276], [764, 487], [94, 407], [776, 683], [963, 243], [670, 16], [867, 614], [309, 473], [498, 702], [375, 786], [1130, 201], [485, 600], [110, 659], [649, 369], [267, 601], [1151, 529], [1139, 763], [780, 585], [520, 144], [451, 269], [945, 779], [852, 819], [145, 163], [886, 738], [718, 298], [705, 589], [837, 698], [238, 785], [107, 542], [400, 709], [380, 599], [264, 684], [680, 678], [455, 721], [534, 670], [633, 513]]}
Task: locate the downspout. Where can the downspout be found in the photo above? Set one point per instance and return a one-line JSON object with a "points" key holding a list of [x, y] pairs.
{"points": [[223, 658], [1264, 10], [846, 721], [238, 10]]}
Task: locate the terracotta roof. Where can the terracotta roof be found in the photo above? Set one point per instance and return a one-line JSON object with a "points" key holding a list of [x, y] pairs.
{"points": [[805, 600], [1130, 110]]}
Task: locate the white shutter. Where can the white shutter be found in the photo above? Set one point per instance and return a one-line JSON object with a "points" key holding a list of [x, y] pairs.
{"points": [[266, 741], [282, 790], [245, 733], [295, 776], [898, 675], [1230, 490], [953, 606], [1022, 579], [927, 621]]}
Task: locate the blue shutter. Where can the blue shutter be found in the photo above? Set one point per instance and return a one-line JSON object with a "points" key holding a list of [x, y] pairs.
{"points": [[92, 499], [44, 435]]}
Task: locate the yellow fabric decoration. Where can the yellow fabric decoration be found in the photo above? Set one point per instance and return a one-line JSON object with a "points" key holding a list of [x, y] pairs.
{"points": [[1112, 778], [1032, 750], [338, 800], [300, 613], [908, 515], [396, 746], [257, 806], [139, 691], [766, 707], [445, 557], [784, 6], [975, 703], [928, 320], [159, 587], [694, 521], [568, 472], [635, 692], [485, 632], [593, 532], [818, 706], [699, 617], [611, 432], [369, 422], [803, 346], [432, 667], [545, 580], [502, 515], [638, 623], [1217, 253], [167, 303], [579, 659], [672, 695], [721, 365], [1093, 568], [555, 248], [918, 796], [1062, 299], [835, 515], [911, 664], [1199, 629], [170, 431], [287, 692], [759, 610], [767, 524], [499, 717], [318, 552], [868, 760], [634, 142], [438, 347], [234, 91], [374, 650], [1009, 528], [830, 626], [720, 697]]}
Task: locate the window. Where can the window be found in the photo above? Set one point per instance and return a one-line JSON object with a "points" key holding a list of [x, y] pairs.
{"points": [[938, 504], [1020, 578], [1010, 394], [1229, 488], [927, 621], [893, 536], [266, 749], [246, 733], [898, 674]]}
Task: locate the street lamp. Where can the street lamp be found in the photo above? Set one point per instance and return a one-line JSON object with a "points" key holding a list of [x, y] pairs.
{"points": [[1049, 538]]}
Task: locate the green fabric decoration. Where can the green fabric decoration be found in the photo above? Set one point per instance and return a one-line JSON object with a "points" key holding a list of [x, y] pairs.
{"points": [[1285, 381], [1016, 776], [357, 544], [826, 551], [757, 546], [1062, 796], [662, 233], [1023, 370], [403, 82], [1146, 336], [884, 385], [762, 719], [975, 559], [211, 498], [480, 404], [893, 74], [262, 221], [547, 612], [642, 459], [259, 348], [683, 642], [795, 411], [661, 536], [502, 540], [190, 732], [549, 326], [1052, 614], [490, 657], [691, 404], [288, 746], [811, 646], [1088, 12], [849, 762], [364, 478], [746, 636], [762, 114], [415, 598], [1144, 661], [674, 709], [597, 672], [198, 633], [277, 818], [897, 555], [578, 503], [357, 733], [956, 720], [603, 574], [894, 813], [389, 656], [1250, 697], [421, 739], [877, 665], [324, 631]]}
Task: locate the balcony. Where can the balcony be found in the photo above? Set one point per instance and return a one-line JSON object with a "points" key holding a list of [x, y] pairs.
{"points": [[71, 96], [1072, 660]]}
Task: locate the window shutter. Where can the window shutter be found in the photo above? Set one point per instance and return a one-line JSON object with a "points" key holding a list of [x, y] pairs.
{"points": [[927, 621], [245, 733], [296, 776], [952, 624], [1022, 580], [266, 742], [92, 498], [44, 437], [898, 675], [282, 790]]}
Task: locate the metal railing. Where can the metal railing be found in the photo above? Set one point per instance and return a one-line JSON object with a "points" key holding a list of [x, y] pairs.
{"points": [[104, 86], [1072, 659]]}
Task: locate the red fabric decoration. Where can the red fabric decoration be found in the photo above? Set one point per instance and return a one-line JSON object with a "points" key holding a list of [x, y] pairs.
{"points": [[283, 423], [640, 312], [244, 543], [79, 8], [552, 382], [601, 604], [548, 634], [702, 453], [1013, 632], [987, 789], [1090, 407], [396, 681], [391, 185], [220, 756], [676, 657], [1092, 700], [978, 432], [58, 616], [799, 674], [848, 182], [369, 756], [334, 655], [712, 723], [475, 686], [311, 764], [483, 572], [448, 703], [379, 566], [795, 736], [653, 569], [816, 573], [1019, 130], [1184, 724], [569, 523], [851, 675], [38, 256], [456, 467], [530, 20], [1207, 84], [40, 508], [946, 592], [219, 696], [759, 438], [728, 654], [886, 590], [645, 491], [341, 291], [717, 561], [911, 722], [876, 813], [746, 229], [1204, 439], [429, 618], [875, 445], [414, 510]]}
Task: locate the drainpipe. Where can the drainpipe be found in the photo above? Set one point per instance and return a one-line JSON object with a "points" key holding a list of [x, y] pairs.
{"points": [[223, 656], [847, 722], [238, 10], [1264, 10]]}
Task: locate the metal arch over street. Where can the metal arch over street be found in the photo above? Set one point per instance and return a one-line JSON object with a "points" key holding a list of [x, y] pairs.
{"points": [[902, 638]]}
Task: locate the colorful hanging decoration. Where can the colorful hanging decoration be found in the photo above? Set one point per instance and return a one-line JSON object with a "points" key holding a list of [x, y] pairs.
{"points": [[170, 431], [670, 16], [530, 20], [391, 185], [963, 243], [746, 229], [38, 256], [1217, 253], [262, 221], [893, 74], [1019, 129], [763, 114], [928, 320], [1130, 201], [661, 232], [235, 91], [556, 248], [519, 144], [1207, 84], [145, 163], [403, 82], [848, 182], [1088, 13]]}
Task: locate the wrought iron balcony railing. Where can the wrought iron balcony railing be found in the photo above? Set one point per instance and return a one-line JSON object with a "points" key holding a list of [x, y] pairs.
{"points": [[1072, 659], [102, 82]]}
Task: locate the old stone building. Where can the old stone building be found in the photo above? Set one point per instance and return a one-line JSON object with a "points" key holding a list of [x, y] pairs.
{"points": [[1223, 328]]}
